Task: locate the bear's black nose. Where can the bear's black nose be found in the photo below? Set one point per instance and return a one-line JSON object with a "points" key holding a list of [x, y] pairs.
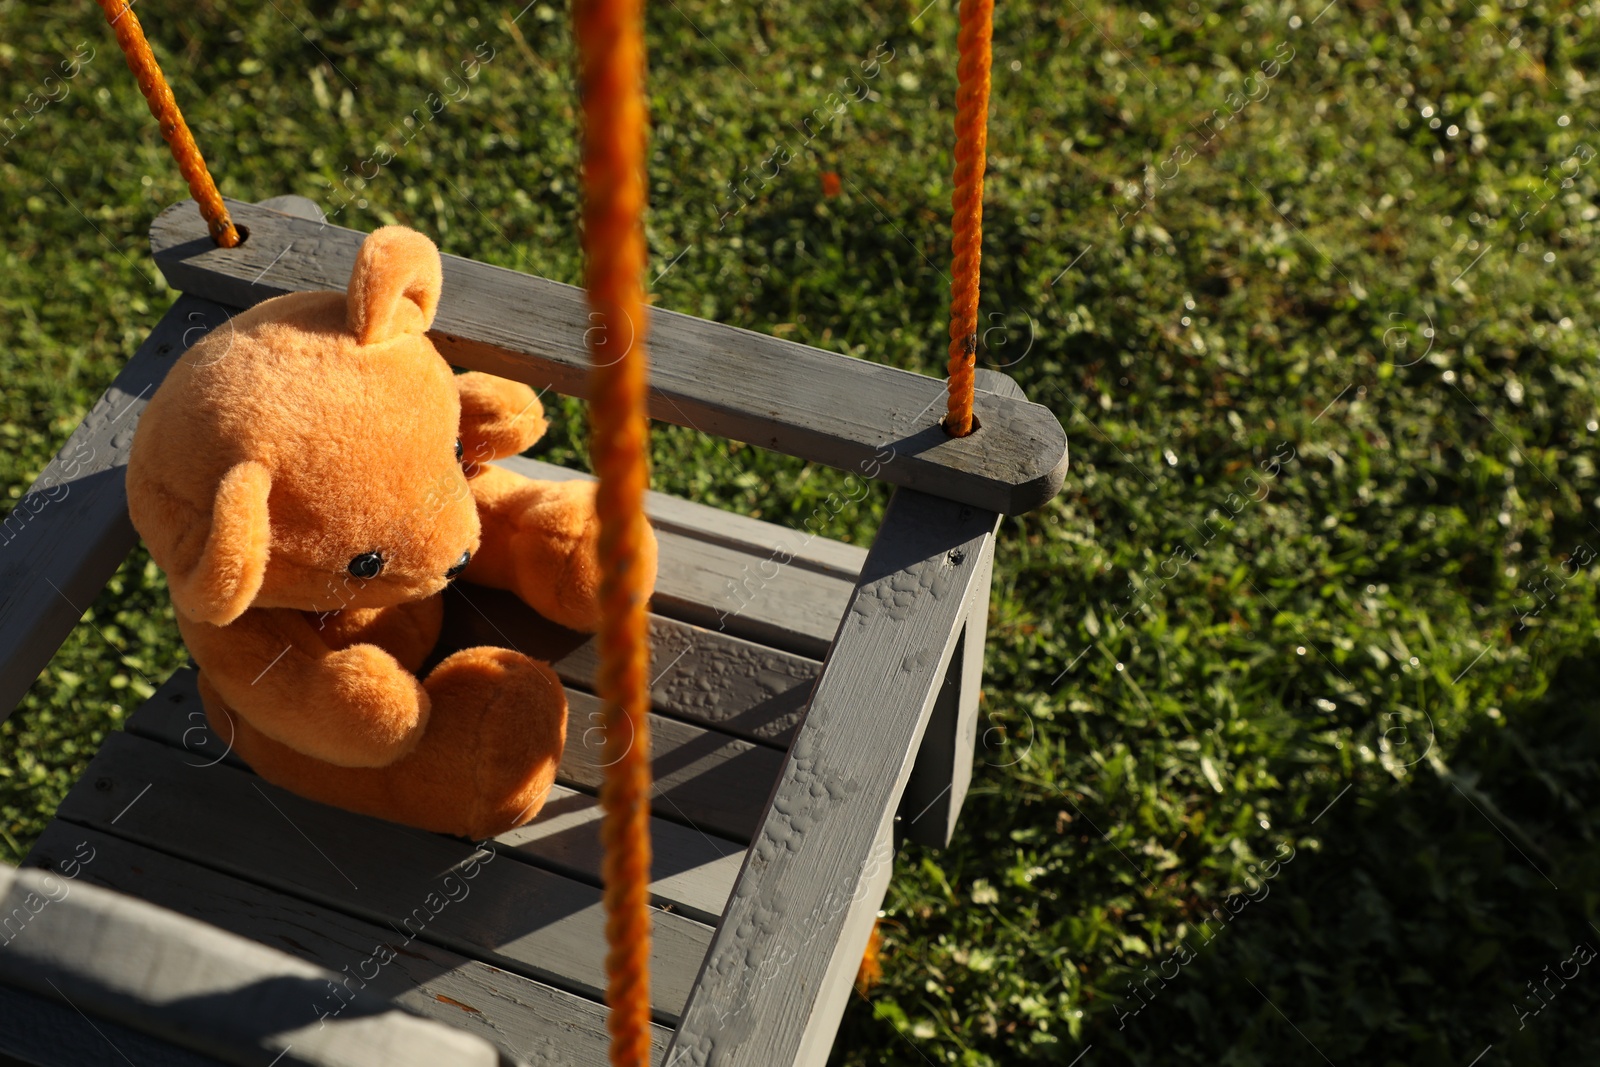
{"points": [[461, 565]]}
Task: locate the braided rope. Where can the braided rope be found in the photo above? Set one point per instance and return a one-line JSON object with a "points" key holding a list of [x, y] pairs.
{"points": [[610, 37], [130, 36], [972, 136]]}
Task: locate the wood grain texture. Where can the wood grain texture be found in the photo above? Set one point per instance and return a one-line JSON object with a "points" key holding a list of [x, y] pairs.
{"points": [[70, 531], [534, 1022], [719, 379], [693, 872], [838, 981], [45, 1032], [998, 383], [706, 781], [939, 781], [756, 597], [723, 527], [520, 918], [116, 957], [800, 913], [714, 783], [698, 674], [742, 577], [943, 770], [723, 590], [302, 207]]}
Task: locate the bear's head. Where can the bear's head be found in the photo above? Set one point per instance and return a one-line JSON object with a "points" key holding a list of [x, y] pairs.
{"points": [[305, 454]]}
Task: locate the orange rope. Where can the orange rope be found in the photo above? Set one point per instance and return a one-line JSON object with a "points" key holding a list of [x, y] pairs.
{"points": [[610, 36], [972, 135], [130, 35]]}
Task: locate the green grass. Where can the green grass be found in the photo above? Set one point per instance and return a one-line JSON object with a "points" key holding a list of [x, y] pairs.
{"points": [[1376, 665]]}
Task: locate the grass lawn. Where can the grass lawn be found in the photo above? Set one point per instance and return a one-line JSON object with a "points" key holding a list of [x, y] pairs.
{"points": [[1292, 716]]}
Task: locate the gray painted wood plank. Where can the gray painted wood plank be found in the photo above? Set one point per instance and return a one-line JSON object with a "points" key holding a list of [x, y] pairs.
{"points": [[724, 527], [523, 918], [729, 684], [534, 1022], [302, 207], [943, 772], [748, 595], [799, 918], [821, 406], [70, 531], [714, 679], [715, 783], [707, 781], [692, 872], [838, 982], [47, 1032], [116, 957], [998, 383]]}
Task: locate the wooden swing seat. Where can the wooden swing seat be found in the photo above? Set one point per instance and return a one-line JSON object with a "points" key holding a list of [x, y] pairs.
{"points": [[813, 702]]}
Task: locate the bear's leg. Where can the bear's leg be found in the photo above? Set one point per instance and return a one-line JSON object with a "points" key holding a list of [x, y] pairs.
{"points": [[484, 765], [541, 541]]}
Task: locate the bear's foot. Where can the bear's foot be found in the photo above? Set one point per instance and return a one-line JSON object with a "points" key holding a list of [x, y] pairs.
{"points": [[484, 765]]}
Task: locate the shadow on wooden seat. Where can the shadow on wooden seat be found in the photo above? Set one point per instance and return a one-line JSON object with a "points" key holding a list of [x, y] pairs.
{"points": [[173, 979]]}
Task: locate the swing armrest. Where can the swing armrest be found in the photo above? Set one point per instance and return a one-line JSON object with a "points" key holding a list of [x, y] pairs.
{"points": [[70, 531], [781, 966]]}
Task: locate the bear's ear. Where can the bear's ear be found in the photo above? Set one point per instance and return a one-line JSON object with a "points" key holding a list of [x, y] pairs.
{"points": [[394, 288], [223, 581]]}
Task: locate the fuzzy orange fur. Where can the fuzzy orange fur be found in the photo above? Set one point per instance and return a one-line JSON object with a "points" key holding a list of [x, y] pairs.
{"points": [[319, 427]]}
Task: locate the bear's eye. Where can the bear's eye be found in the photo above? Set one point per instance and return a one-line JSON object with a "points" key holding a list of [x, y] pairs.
{"points": [[366, 565], [459, 450]]}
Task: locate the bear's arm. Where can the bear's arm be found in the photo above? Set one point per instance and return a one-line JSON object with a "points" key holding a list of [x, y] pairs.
{"points": [[499, 418], [357, 707]]}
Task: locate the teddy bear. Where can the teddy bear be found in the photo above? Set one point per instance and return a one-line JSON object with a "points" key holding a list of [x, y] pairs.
{"points": [[310, 476]]}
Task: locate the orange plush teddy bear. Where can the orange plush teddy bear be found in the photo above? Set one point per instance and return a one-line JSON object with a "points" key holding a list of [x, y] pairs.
{"points": [[300, 478]]}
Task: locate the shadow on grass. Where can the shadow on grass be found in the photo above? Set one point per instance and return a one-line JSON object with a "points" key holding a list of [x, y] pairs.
{"points": [[1413, 934], [1450, 921]]}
